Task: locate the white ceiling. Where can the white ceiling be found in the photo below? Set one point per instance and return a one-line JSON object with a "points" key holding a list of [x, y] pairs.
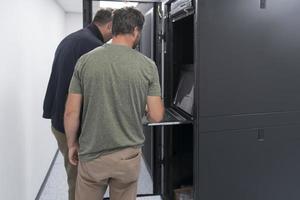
{"points": [[76, 5]]}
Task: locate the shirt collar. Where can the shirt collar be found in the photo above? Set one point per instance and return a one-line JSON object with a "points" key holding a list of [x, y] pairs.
{"points": [[94, 29]]}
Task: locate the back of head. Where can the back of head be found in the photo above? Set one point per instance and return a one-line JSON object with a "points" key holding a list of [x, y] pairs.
{"points": [[103, 16], [126, 19]]}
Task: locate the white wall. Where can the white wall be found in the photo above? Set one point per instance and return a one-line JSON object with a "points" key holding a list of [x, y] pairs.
{"points": [[74, 22], [30, 32], [11, 115]]}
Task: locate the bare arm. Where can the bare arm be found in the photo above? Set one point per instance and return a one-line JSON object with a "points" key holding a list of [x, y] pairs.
{"points": [[72, 123], [155, 108]]}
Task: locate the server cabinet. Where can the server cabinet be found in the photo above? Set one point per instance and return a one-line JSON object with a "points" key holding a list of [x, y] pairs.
{"points": [[230, 165], [260, 164], [247, 72], [280, 174], [248, 63]]}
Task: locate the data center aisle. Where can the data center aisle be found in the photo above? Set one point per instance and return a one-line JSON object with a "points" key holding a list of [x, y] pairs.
{"points": [[56, 185]]}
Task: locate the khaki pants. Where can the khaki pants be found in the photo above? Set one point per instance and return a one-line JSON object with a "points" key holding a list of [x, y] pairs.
{"points": [[70, 169], [119, 170]]}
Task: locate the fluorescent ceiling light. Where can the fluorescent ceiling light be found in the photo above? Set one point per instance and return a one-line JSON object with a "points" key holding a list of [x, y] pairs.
{"points": [[116, 5]]}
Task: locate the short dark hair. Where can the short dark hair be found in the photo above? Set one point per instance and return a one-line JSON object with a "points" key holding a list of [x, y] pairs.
{"points": [[103, 16], [126, 19]]}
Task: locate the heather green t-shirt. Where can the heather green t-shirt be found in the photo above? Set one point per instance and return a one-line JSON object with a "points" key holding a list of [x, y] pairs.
{"points": [[115, 81]]}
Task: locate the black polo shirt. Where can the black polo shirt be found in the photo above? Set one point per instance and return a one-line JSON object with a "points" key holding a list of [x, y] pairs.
{"points": [[67, 53]]}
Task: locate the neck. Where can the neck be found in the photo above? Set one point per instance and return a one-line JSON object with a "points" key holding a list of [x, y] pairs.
{"points": [[101, 29], [125, 40]]}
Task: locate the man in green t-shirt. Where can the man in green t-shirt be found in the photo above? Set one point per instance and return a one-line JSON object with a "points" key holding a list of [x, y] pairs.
{"points": [[109, 91]]}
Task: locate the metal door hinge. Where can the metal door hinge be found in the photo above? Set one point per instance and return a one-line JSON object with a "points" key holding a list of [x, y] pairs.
{"points": [[162, 36]]}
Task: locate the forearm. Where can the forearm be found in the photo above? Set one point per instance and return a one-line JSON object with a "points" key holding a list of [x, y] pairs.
{"points": [[72, 123], [156, 116], [156, 108]]}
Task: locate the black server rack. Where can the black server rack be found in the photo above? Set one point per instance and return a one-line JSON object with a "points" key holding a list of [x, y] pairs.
{"points": [[248, 100]]}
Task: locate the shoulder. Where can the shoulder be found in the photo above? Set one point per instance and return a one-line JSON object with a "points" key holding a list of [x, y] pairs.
{"points": [[145, 59], [83, 37], [70, 41], [74, 36], [78, 45]]}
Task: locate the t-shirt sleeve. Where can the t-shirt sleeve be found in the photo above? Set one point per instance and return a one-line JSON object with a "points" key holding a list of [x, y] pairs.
{"points": [[154, 85], [75, 84]]}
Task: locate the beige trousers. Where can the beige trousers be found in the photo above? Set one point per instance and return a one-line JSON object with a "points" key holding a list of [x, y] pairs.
{"points": [[70, 169], [119, 170]]}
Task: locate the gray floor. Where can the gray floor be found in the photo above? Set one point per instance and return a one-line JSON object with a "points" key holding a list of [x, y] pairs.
{"points": [[56, 186]]}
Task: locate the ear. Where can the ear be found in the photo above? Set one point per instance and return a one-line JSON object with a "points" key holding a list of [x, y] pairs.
{"points": [[136, 32], [109, 26]]}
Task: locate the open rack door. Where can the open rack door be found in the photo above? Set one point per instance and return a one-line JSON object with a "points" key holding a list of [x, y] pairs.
{"points": [[174, 138]]}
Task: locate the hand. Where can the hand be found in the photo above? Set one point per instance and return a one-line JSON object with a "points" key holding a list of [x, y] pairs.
{"points": [[73, 154]]}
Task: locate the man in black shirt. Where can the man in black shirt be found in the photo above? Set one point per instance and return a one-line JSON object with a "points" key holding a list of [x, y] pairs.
{"points": [[67, 53]]}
